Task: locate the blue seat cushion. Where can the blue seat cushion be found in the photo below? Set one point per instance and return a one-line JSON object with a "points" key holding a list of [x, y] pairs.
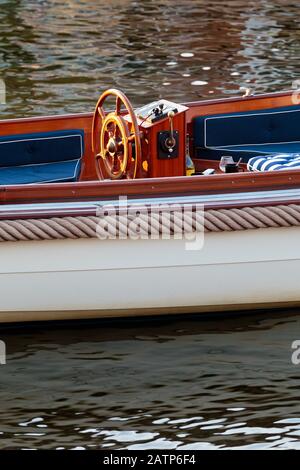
{"points": [[275, 162], [41, 157], [248, 134], [41, 173]]}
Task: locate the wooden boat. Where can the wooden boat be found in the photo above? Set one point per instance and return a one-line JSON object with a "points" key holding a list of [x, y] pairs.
{"points": [[58, 173]]}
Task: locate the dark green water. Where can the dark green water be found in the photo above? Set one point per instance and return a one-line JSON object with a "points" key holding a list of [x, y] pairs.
{"points": [[200, 383], [57, 57], [174, 384]]}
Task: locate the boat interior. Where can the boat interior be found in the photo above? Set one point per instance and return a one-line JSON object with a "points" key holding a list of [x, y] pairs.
{"points": [[131, 151]]}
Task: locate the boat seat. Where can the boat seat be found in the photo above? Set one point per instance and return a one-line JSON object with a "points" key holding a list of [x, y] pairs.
{"points": [[248, 134], [42, 157], [275, 162]]}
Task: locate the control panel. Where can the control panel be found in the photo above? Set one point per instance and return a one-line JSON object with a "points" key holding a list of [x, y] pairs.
{"points": [[158, 110], [163, 128]]}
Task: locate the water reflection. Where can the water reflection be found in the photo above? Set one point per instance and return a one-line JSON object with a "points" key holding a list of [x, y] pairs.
{"points": [[219, 382], [197, 384], [57, 56]]}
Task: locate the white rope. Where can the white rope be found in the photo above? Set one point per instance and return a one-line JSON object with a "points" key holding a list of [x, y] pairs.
{"points": [[124, 226]]}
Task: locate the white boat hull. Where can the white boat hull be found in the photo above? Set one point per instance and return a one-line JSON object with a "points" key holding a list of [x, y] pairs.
{"points": [[90, 278]]}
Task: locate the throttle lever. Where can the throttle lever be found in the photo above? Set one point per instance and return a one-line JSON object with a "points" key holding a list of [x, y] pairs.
{"points": [[170, 141]]}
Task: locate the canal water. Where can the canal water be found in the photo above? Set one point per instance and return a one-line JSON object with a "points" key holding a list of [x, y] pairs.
{"points": [[57, 56], [196, 383]]}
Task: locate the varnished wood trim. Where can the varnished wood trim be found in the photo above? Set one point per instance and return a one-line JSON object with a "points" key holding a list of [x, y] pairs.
{"points": [[189, 104], [239, 98], [54, 117], [153, 187]]}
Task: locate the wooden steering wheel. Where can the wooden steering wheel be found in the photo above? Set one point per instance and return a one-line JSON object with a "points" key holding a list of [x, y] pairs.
{"points": [[116, 142]]}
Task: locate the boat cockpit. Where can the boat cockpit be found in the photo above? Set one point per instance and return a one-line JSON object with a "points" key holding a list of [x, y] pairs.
{"points": [[160, 140]]}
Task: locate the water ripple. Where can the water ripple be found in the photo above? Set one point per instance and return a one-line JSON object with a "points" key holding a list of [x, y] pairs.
{"points": [[193, 384], [56, 57]]}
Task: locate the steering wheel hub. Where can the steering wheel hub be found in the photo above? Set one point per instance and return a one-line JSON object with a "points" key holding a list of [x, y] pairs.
{"points": [[112, 146]]}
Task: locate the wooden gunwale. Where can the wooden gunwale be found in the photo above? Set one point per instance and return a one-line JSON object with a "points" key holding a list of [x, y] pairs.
{"points": [[154, 187], [21, 211], [189, 104]]}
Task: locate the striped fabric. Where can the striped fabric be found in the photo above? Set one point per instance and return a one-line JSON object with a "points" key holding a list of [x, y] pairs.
{"points": [[281, 161]]}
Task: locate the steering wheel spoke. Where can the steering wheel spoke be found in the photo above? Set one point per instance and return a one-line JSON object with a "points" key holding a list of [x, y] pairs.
{"points": [[118, 106], [101, 112], [116, 163]]}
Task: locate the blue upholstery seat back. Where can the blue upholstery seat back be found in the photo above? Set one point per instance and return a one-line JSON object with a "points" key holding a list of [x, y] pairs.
{"points": [[44, 147], [248, 133], [41, 157]]}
